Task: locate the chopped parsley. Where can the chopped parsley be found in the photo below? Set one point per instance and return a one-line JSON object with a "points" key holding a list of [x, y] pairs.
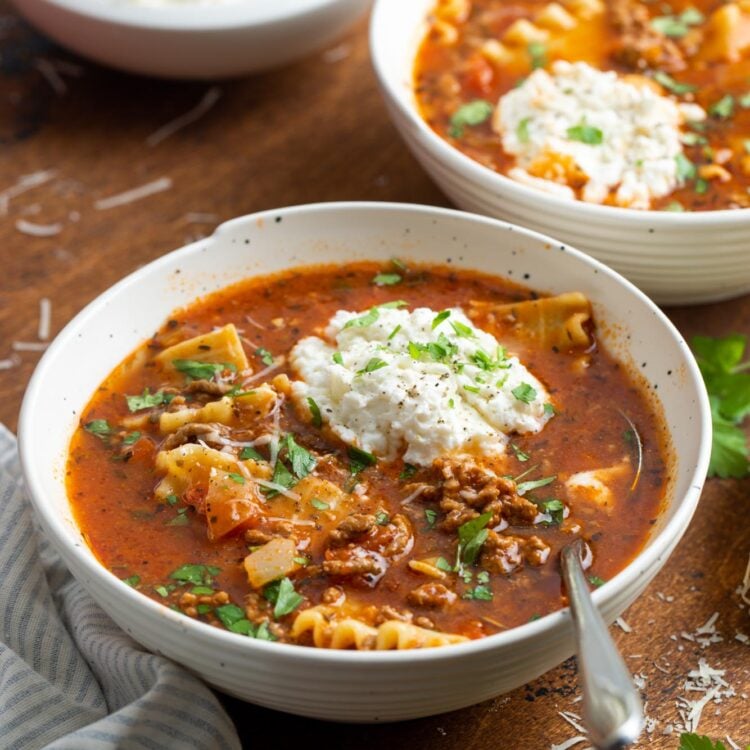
{"points": [[676, 27], [236, 478], [549, 409], [283, 596], [534, 484], [265, 356], [471, 388], [98, 427], [596, 581], [674, 207], [430, 516], [299, 458], [437, 351], [522, 130], [669, 83], [382, 518], [686, 170], [233, 619], [481, 592], [172, 499], [471, 114], [524, 393], [520, 455], [370, 317], [317, 419], [337, 358], [375, 363], [359, 460], [202, 590], [471, 536], [744, 101], [394, 332], [131, 438], [538, 54], [554, 509], [439, 318], [199, 575], [319, 504], [462, 330], [728, 383], [132, 581], [201, 370], [408, 471], [442, 564], [387, 279], [701, 186], [164, 591], [148, 400], [249, 452], [587, 134], [693, 139], [722, 109], [181, 519]]}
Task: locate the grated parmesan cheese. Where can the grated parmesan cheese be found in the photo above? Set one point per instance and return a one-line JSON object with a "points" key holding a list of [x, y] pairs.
{"points": [[38, 230], [623, 625], [45, 319], [51, 75], [29, 346], [206, 102], [135, 194], [24, 183], [569, 743]]}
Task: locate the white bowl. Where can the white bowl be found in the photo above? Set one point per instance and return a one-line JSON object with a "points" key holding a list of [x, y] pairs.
{"points": [[343, 685], [202, 39], [677, 258]]}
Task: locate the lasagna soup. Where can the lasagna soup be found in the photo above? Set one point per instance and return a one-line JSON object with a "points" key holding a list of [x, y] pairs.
{"points": [[618, 102], [368, 457]]}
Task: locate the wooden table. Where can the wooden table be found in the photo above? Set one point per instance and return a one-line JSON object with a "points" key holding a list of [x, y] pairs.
{"points": [[314, 132]]}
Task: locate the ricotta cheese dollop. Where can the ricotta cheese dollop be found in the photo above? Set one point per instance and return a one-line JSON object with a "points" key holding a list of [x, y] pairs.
{"points": [[424, 381], [577, 127]]}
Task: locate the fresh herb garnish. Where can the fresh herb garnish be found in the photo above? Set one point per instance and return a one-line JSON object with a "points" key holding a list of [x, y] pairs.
{"points": [[549, 409], [462, 330], [676, 27], [132, 581], [359, 460], [471, 114], [181, 519], [722, 109], [439, 318], [693, 139], [382, 518], [596, 581], [375, 363], [471, 536], [249, 452], [337, 358], [317, 419], [265, 356], [674, 207], [202, 590], [669, 83], [131, 438], [538, 54], [534, 484], [408, 471], [201, 370], [236, 478], [164, 591], [471, 388], [481, 592], [430, 516], [371, 316], [587, 134], [283, 596], [690, 741], [319, 504], [300, 459], [172, 499], [442, 564], [522, 130], [554, 509], [524, 393], [686, 170], [520, 455], [199, 575], [728, 384], [98, 427], [148, 400], [394, 332], [387, 279]]}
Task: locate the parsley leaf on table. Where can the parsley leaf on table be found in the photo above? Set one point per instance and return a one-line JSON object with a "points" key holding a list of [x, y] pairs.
{"points": [[690, 741], [728, 385]]}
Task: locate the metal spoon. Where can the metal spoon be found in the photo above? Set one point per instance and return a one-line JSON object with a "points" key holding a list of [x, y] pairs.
{"points": [[612, 710]]}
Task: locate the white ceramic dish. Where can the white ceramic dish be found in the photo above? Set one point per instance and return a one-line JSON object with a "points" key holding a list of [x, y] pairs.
{"points": [[341, 685], [193, 38], [677, 258]]}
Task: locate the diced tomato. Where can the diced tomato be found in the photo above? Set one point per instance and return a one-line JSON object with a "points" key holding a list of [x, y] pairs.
{"points": [[478, 76]]}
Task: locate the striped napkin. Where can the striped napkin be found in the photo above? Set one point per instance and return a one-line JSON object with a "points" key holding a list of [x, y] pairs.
{"points": [[70, 679]]}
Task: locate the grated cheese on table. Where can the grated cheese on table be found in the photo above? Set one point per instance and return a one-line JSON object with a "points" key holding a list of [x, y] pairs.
{"points": [[623, 625], [572, 742], [206, 102], [45, 319], [135, 194], [51, 75], [24, 183]]}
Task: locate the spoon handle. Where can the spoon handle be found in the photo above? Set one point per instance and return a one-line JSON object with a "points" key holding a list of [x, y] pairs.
{"points": [[612, 710]]}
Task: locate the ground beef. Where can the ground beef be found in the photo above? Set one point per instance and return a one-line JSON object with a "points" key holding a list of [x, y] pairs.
{"points": [[351, 528], [401, 537], [640, 46], [208, 433], [391, 613], [268, 530], [504, 553], [434, 595], [464, 490], [352, 561]]}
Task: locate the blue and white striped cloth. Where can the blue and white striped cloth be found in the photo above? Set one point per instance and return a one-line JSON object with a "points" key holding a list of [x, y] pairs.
{"points": [[70, 679]]}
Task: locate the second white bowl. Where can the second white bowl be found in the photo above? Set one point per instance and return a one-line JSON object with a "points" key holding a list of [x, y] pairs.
{"points": [[677, 258]]}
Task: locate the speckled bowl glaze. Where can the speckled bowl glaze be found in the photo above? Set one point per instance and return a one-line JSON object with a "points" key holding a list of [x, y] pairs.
{"points": [[198, 39], [345, 685], [677, 258]]}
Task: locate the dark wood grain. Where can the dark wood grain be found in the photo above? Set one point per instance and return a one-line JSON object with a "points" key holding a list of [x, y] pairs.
{"points": [[317, 131]]}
